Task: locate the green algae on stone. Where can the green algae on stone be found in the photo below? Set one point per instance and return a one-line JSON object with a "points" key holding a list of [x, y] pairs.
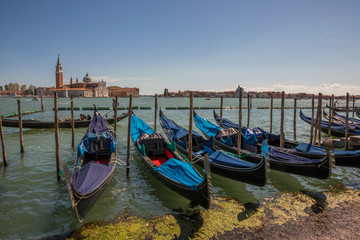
{"points": [[288, 207], [225, 216]]}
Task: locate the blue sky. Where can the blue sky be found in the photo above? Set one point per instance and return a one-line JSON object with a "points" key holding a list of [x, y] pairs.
{"points": [[296, 46]]}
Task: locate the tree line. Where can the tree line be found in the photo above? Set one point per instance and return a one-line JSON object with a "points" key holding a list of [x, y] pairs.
{"points": [[31, 90]]}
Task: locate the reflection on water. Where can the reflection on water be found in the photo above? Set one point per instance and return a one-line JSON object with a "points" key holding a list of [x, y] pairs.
{"points": [[33, 204]]}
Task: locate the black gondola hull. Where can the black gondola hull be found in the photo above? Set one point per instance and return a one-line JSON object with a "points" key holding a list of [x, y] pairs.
{"points": [[255, 176], [321, 171], [65, 124], [200, 197], [86, 201]]}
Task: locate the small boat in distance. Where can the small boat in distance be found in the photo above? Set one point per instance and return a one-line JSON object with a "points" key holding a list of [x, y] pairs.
{"points": [[32, 123], [36, 98], [94, 167]]}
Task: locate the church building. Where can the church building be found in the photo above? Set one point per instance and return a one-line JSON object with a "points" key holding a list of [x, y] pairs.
{"points": [[86, 88]]}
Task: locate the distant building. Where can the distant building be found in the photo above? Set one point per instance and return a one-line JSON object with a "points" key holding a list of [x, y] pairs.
{"points": [[123, 92], [10, 93], [236, 93], [86, 88]]}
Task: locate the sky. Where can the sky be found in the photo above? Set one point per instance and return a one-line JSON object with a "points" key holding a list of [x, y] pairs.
{"points": [[279, 45]]}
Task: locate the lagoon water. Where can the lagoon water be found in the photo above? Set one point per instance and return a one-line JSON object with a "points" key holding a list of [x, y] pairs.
{"points": [[34, 205]]}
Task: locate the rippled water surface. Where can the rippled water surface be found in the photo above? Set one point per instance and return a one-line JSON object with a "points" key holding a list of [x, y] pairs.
{"points": [[33, 204]]}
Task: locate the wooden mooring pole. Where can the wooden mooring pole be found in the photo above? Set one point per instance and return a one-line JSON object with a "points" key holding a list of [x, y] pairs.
{"points": [[72, 123], [57, 142], [190, 126], [320, 117], [282, 120], [353, 109], [3, 142], [330, 107], [295, 119], [271, 112], [221, 109], [156, 109], [347, 123], [312, 119], [115, 106], [248, 113], [20, 127], [128, 137], [42, 103], [316, 121], [240, 118]]}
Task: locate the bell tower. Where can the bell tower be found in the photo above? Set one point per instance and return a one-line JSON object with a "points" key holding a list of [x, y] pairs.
{"points": [[59, 74]]}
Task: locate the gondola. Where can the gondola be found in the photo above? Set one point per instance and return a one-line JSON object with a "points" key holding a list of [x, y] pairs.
{"points": [[337, 130], [221, 162], [163, 161], [341, 119], [32, 123], [342, 157], [279, 160], [358, 112], [94, 167]]}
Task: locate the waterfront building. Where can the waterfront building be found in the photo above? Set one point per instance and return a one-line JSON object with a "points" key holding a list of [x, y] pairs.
{"points": [[123, 91], [86, 88]]}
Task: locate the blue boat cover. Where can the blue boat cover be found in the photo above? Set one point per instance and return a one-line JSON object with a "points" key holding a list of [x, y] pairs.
{"points": [[278, 155], [219, 157], [138, 127], [89, 177], [181, 172], [85, 143], [309, 148], [334, 126], [176, 131], [205, 126], [98, 124], [265, 149], [247, 132], [211, 129]]}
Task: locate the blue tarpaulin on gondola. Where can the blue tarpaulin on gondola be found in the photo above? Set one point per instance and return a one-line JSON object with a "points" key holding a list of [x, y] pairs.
{"points": [[219, 157], [276, 154], [89, 177], [259, 133], [205, 126], [98, 124], [181, 172], [310, 148], [211, 130], [138, 127], [92, 142], [176, 131]]}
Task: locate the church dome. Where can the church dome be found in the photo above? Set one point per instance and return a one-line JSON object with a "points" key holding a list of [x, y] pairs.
{"points": [[87, 79]]}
